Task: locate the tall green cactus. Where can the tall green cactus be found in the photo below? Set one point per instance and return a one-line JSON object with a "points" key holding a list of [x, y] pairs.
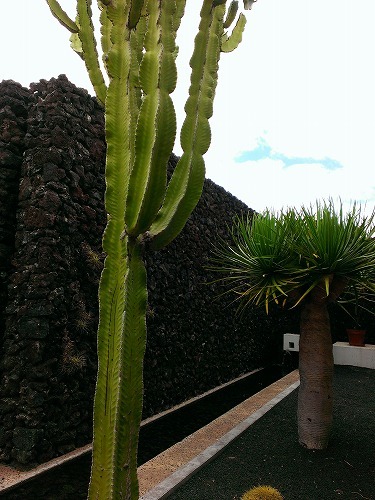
{"points": [[138, 41]]}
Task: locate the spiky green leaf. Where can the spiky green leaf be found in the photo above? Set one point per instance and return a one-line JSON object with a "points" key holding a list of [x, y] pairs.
{"points": [[298, 251]]}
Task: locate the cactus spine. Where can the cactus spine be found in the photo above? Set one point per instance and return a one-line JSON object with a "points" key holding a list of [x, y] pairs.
{"points": [[139, 50]]}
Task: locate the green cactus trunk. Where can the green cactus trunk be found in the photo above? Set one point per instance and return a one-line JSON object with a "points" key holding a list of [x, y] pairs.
{"points": [[118, 398], [139, 51]]}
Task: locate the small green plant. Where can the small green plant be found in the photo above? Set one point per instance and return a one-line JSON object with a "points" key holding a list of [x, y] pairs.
{"points": [[150, 311], [83, 321], [262, 493], [72, 360], [94, 259]]}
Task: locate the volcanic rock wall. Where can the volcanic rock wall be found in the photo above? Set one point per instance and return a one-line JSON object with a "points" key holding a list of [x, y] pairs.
{"points": [[48, 349], [196, 340], [13, 113], [52, 155]]}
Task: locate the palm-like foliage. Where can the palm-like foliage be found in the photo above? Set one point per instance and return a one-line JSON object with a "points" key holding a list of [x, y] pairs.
{"points": [[334, 244], [289, 253], [260, 265]]}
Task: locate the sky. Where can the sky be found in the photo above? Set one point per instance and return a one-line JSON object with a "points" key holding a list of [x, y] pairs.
{"points": [[294, 113]]}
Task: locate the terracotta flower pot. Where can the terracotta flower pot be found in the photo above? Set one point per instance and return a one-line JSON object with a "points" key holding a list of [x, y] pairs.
{"points": [[356, 337]]}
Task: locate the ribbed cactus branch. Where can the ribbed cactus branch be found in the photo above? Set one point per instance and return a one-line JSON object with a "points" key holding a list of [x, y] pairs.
{"points": [[105, 31], [231, 42], [231, 14], [156, 125], [185, 187], [108, 412], [88, 41], [62, 16], [138, 41]]}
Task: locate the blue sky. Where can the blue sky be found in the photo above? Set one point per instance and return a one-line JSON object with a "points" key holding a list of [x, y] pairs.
{"points": [[294, 113]]}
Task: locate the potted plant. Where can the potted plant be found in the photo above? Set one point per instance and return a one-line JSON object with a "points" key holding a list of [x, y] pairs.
{"points": [[355, 330], [356, 336]]}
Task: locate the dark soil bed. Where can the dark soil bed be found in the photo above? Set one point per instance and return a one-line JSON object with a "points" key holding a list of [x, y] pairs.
{"points": [[269, 453]]}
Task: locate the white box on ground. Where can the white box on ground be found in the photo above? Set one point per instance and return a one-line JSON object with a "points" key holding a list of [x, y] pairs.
{"points": [[345, 354], [291, 342]]}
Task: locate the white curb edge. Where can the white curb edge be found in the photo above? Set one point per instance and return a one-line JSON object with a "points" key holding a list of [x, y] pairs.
{"points": [[165, 487]]}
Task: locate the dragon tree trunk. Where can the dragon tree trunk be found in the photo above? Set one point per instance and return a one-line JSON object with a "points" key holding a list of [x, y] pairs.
{"points": [[316, 373]]}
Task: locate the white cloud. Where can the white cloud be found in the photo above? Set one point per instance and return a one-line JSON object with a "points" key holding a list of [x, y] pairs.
{"points": [[267, 183]]}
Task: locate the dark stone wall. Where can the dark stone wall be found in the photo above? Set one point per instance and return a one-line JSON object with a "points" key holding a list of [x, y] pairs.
{"points": [[48, 360], [196, 340], [14, 103], [52, 156]]}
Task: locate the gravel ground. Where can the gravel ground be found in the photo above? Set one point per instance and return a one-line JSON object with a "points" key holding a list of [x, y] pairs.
{"points": [[269, 453]]}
